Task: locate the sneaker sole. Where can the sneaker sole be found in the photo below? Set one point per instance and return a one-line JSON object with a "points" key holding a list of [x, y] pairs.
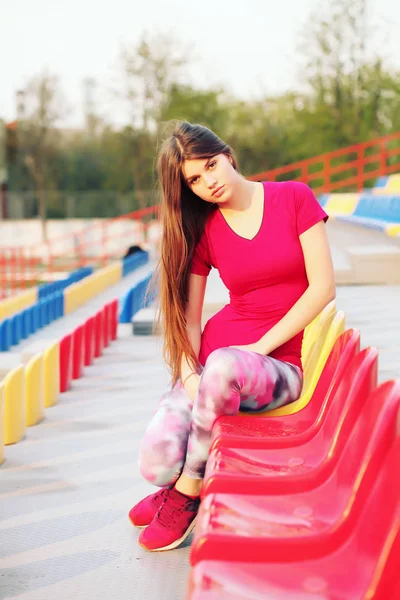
{"points": [[176, 543]]}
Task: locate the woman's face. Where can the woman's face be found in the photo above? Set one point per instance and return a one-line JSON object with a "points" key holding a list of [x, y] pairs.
{"points": [[212, 179]]}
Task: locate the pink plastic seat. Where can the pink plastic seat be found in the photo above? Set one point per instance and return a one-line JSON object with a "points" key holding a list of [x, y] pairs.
{"points": [[89, 326], [66, 354], [106, 325], [98, 334], [288, 430], [114, 318], [362, 563], [272, 471], [234, 526], [78, 358]]}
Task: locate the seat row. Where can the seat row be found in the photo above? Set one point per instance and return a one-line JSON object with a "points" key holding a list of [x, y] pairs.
{"points": [[304, 502], [48, 307], [31, 380], [134, 299], [369, 209]]}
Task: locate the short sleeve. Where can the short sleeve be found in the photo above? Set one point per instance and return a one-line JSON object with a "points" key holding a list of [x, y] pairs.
{"points": [[308, 210], [201, 262]]}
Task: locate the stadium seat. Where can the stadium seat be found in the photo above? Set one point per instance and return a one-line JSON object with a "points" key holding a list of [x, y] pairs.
{"points": [[107, 325], [78, 355], [266, 470], [361, 562], [315, 364], [241, 431], [89, 326], [114, 318], [66, 357], [51, 361], [98, 334], [312, 331], [234, 526], [14, 405], [34, 390]]}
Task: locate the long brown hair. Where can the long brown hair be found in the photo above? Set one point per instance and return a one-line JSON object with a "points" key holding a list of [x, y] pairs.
{"points": [[183, 216]]}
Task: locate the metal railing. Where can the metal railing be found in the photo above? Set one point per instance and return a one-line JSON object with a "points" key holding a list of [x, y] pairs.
{"points": [[107, 240], [348, 169]]}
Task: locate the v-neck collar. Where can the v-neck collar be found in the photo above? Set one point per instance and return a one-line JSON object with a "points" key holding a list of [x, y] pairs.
{"points": [[261, 224]]}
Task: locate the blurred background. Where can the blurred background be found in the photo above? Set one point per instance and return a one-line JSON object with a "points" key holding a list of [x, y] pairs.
{"points": [[301, 89], [86, 88]]}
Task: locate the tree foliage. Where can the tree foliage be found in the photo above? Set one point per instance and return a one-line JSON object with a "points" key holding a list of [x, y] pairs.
{"points": [[348, 94]]}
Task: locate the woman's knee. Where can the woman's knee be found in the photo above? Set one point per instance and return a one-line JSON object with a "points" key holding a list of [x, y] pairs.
{"points": [[222, 361]]}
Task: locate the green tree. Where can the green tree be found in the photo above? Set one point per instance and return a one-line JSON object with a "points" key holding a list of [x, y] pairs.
{"points": [[42, 108]]}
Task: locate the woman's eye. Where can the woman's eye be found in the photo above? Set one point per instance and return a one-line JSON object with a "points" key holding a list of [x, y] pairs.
{"points": [[193, 180], [212, 164]]}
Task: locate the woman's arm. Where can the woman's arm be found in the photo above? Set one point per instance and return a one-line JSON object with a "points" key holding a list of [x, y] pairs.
{"points": [[321, 290], [194, 309]]}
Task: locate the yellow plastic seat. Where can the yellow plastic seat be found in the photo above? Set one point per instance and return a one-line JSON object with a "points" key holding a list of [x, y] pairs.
{"points": [[51, 367], [14, 405], [316, 363], [51, 359], [34, 390], [1, 422], [314, 329]]}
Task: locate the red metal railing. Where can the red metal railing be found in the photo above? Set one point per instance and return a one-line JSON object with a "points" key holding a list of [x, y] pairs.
{"points": [[104, 241], [98, 244], [347, 169]]}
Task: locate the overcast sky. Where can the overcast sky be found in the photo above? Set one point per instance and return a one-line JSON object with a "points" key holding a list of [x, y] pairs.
{"points": [[249, 46]]}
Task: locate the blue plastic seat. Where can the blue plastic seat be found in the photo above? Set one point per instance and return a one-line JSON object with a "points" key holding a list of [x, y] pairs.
{"points": [[16, 329], [5, 335], [379, 208]]}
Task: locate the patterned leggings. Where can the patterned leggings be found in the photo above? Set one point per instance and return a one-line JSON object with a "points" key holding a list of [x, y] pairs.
{"points": [[178, 436]]}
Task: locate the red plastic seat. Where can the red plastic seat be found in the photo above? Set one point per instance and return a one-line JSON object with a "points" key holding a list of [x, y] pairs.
{"points": [[98, 334], [66, 354], [78, 358], [362, 563], [288, 430], [304, 466], [89, 326], [114, 318], [106, 325], [234, 526]]}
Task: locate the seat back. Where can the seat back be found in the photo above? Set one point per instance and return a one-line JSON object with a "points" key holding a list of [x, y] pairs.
{"points": [[311, 332], [34, 389], [14, 405], [66, 353], [319, 334], [371, 438], [320, 351], [346, 347], [377, 530], [344, 350], [51, 358], [356, 385], [78, 355]]}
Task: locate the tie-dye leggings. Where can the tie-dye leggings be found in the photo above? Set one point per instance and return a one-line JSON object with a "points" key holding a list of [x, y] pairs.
{"points": [[178, 436]]}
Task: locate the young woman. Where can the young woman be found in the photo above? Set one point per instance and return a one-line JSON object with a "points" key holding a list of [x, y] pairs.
{"points": [[269, 244]]}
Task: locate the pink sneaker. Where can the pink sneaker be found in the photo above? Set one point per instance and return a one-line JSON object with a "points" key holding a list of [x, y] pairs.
{"points": [[144, 511], [172, 524]]}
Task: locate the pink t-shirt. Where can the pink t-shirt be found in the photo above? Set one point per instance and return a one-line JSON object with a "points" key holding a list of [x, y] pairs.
{"points": [[265, 276]]}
